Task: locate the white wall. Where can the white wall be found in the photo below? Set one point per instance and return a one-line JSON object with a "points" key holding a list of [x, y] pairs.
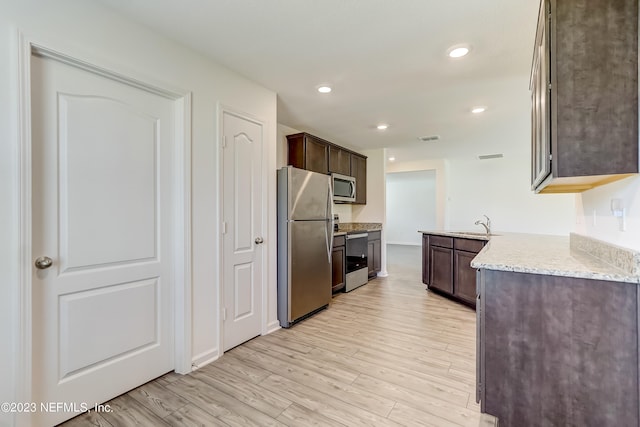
{"points": [[595, 219], [281, 146], [344, 211], [90, 32], [468, 188], [500, 189], [440, 168], [411, 206], [374, 210]]}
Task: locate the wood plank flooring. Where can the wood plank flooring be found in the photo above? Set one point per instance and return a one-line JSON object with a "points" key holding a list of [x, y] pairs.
{"points": [[387, 354]]}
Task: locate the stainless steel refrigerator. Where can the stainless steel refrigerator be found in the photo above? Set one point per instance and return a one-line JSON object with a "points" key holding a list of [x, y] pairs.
{"points": [[305, 242]]}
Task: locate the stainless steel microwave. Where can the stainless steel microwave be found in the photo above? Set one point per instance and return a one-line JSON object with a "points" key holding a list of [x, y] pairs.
{"points": [[344, 188]]}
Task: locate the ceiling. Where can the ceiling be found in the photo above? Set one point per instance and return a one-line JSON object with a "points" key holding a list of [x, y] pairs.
{"points": [[386, 61]]}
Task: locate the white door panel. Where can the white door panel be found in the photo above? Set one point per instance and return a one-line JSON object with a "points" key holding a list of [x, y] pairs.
{"points": [[243, 187], [242, 206], [243, 292], [106, 149], [102, 210], [83, 313]]}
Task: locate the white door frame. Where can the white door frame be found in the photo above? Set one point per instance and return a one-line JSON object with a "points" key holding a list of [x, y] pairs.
{"points": [[222, 109], [182, 213]]}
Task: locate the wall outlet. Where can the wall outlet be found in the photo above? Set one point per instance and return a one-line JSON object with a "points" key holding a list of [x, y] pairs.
{"points": [[617, 208]]}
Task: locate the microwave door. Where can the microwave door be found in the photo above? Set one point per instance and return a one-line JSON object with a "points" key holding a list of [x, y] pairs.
{"points": [[343, 188]]}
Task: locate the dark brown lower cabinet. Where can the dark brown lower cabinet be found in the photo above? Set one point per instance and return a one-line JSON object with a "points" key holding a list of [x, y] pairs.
{"points": [[425, 259], [374, 253], [446, 266], [338, 264], [465, 276], [441, 269], [557, 351]]}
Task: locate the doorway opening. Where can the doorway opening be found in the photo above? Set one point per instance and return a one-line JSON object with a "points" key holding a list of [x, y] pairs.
{"points": [[410, 206]]}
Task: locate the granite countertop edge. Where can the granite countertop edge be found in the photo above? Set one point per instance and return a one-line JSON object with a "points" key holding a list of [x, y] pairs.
{"points": [[353, 227], [460, 234], [568, 256], [551, 255]]}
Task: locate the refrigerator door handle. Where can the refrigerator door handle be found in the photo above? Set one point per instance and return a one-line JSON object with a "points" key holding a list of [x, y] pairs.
{"points": [[329, 226]]}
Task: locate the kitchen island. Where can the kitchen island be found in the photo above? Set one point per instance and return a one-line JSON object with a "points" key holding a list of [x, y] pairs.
{"points": [[557, 331]]}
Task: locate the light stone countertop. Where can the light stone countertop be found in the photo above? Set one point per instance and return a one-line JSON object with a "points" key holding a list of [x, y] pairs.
{"points": [[463, 234], [559, 256], [570, 256]]}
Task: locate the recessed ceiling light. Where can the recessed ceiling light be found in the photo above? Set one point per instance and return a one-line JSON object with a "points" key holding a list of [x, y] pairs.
{"points": [[391, 159], [382, 126], [478, 110], [324, 89], [458, 51]]}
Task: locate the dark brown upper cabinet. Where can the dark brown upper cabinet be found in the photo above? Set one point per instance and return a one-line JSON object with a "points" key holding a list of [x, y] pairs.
{"points": [[584, 90], [339, 161], [308, 152], [359, 171]]}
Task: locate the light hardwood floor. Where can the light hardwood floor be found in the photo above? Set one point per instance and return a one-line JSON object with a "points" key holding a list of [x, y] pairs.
{"points": [[387, 354]]}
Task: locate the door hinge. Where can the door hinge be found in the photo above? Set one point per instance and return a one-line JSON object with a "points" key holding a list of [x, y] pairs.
{"points": [[549, 87], [224, 227], [550, 157], [224, 314], [224, 142]]}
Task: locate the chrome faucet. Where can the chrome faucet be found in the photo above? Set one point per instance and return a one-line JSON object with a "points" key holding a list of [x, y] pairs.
{"points": [[486, 225]]}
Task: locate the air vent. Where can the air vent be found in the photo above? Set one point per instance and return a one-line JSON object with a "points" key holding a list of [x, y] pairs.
{"points": [[429, 138], [490, 156]]}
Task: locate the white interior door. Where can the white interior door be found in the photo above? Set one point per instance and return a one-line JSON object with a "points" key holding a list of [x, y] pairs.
{"points": [[102, 212], [242, 214]]}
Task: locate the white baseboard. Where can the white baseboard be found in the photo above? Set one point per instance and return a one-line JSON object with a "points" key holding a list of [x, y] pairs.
{"points": [[204, 358], [273, 326]]}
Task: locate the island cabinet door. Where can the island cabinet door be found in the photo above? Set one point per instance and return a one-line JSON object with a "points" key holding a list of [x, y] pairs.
{"points": [[465, 276], [441, 269]]}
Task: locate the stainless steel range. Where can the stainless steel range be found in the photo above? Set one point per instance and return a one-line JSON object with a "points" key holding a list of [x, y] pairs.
{"points": [[357, 271]]}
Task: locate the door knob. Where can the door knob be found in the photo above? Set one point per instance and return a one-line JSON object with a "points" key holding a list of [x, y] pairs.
{"points": [[43, 262], [259, 240]]}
